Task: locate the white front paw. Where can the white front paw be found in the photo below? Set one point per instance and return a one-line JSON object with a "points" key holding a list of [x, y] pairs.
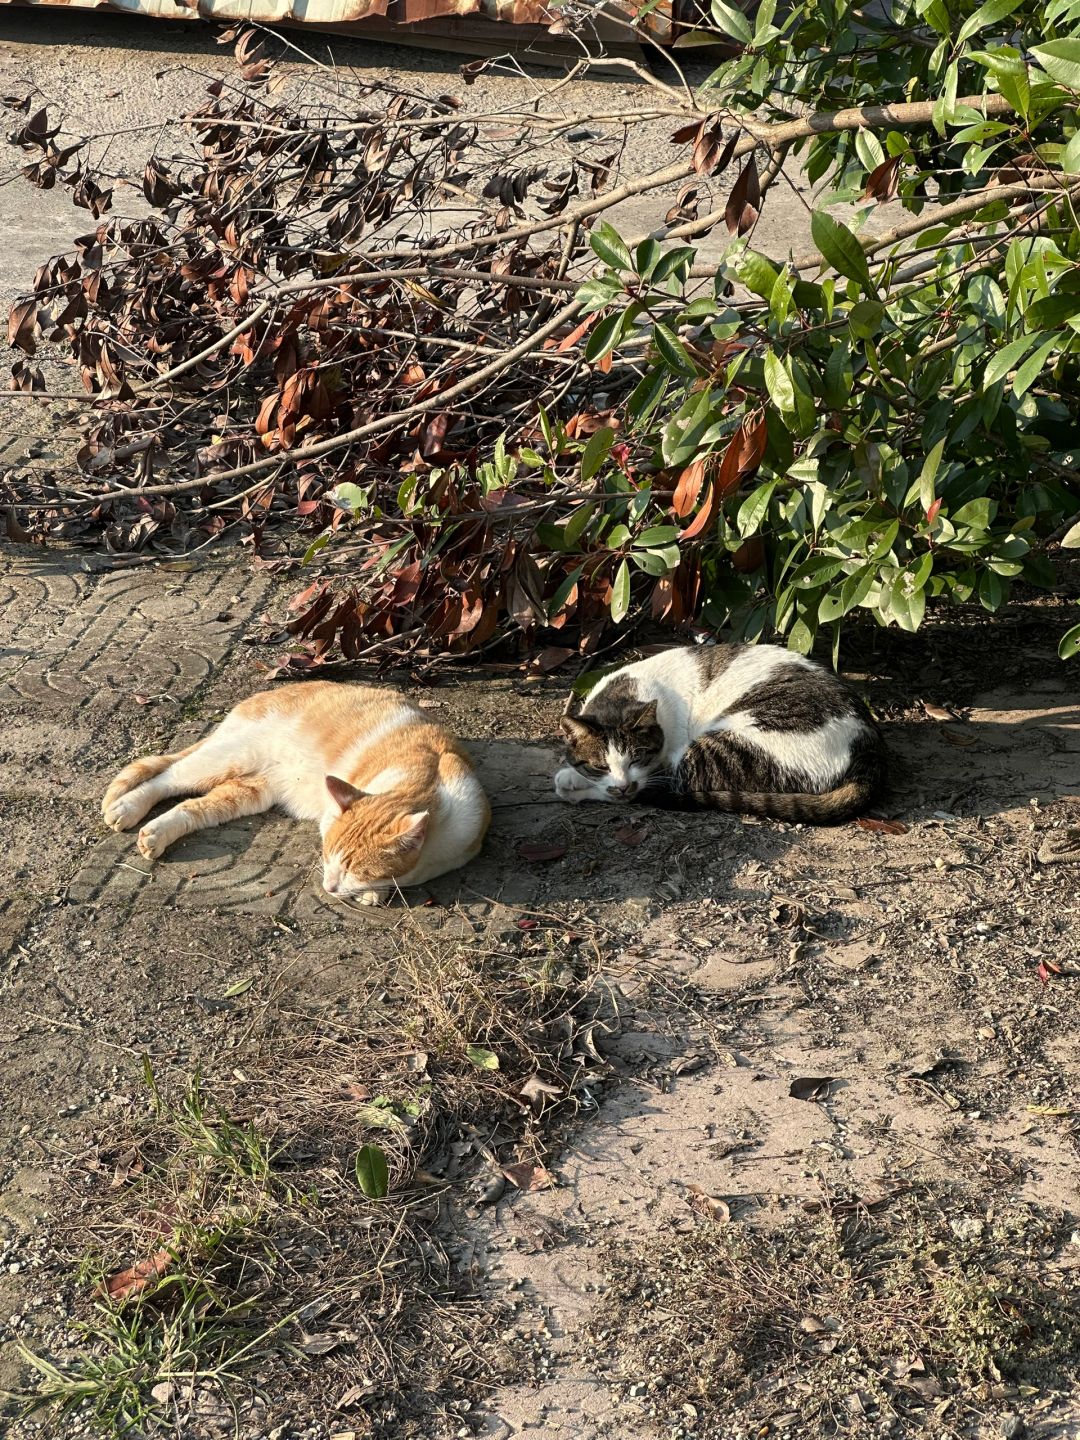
{"points": [[569, 785], [153, 840], [121, 813], [370, 897]]}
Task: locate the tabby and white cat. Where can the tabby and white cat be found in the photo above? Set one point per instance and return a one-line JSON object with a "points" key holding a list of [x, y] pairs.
{"points": [[754, 729], [395, 796]]}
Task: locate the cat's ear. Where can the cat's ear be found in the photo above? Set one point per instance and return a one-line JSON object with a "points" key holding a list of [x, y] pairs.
{"points": [[412, 832], [646, 716], [342, 793], [575, 730]]}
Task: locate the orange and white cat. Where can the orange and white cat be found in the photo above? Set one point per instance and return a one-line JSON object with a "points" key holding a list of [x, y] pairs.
{"points": [[396, 796]]}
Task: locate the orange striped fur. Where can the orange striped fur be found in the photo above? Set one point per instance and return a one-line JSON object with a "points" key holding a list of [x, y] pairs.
{"points": [[395, 795]]}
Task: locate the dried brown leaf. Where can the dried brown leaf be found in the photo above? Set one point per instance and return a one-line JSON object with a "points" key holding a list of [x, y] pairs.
{"points": [[810, 1087], [137, 1277], [529, 1177], [744, 202], [881, 827]]}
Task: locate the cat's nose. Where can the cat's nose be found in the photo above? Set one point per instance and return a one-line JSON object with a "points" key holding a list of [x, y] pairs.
{"points": [[330, 886], [623, 791]]}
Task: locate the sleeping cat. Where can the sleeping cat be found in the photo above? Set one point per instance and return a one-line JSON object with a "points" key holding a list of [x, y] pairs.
{"points": [[754, 729], [395, 796]]}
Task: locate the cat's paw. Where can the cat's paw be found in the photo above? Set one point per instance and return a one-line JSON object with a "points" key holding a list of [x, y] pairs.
{"points": [[153, 840], [121, 812], [370, 897], [569, 785]]}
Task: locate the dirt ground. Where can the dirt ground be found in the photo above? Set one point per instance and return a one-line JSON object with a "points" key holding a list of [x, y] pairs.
{"points": [[905, 966], [928, 976]]}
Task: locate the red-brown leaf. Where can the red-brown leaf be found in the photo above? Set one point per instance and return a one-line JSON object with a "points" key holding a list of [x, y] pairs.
{"points": [[538, 854], [705, 517], [883, 181], [689, 487], [529, 1177], [136, 1278], [881, 827], [688, 132], [932, 510], [21, 321], [744, 202], [745, 452]]}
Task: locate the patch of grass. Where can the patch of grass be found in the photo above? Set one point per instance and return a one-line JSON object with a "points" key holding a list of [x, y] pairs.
{"points": [[230, 1252], [922, 1314]]}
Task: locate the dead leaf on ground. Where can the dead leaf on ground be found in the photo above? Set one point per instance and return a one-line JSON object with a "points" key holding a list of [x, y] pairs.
{"points": [[536, 1091], [15, 532], [955, 736], [631, 835], [937, 712], [881, 827], [929, 1063], [130, 1163], [136, 1278], [1060, 847], [811, 1087], [708, 1205], [1045, 969], [536, 854], [529, 1177]]}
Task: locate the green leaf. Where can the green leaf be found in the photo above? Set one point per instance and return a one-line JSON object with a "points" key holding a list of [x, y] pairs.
{"points": [[671, 350], [671, 261], [372, 1172], [991, 591], [864, 319], [646, 256], [553, 606], [604, 337], [647, 393], [348, 497], [928, 474], [656, 535], [754, 509], [986, 15], [596, 451], [608, 244], [801, 637], [839, 375], [319, 543], [840, 248], [481, 1058], [1031, 369], [620, 593], [778, 383], [577, 525], [1070, 643], [1072, 538], [1010, 70], [1007, 359], [757, 273], [976, 514], [239, 988], [1061, 61], [731, 21], [1070, 156]]}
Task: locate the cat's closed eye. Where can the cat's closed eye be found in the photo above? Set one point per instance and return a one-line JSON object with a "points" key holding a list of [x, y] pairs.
{"points": [[592, 770]]}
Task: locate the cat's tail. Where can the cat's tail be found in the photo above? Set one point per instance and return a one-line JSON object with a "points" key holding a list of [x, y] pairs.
{"points": [[831, 808]]}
